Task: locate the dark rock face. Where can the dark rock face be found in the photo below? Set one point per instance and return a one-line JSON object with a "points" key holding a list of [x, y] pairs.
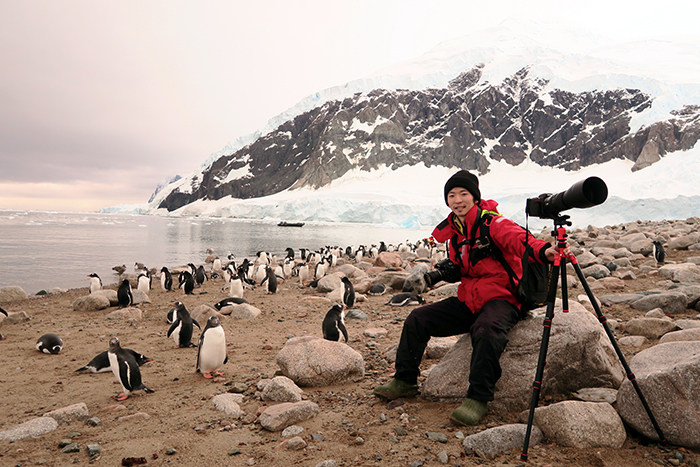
{"points": [[462, 126]]}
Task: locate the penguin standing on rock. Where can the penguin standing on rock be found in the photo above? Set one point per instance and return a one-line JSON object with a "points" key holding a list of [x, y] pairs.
{"points": [[125, 369], [659, 252], [183, 326], [211, 352], [124, 295], [348, 295], [49, 343], [95, 282], [166, 280], [334, 324]]}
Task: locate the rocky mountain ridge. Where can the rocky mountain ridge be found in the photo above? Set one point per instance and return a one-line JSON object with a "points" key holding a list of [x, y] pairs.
{"points": [[468, 124]]}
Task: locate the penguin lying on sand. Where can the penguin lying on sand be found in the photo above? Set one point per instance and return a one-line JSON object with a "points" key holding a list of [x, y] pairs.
{"points": [[405, 299], [334, 324], [125, 369], [211, 352], [49, 343], [182, 327], [100, 364], [377, 289]]}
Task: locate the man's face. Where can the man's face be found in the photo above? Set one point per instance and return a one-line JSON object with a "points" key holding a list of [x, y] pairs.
{"points": [[460, 200]]}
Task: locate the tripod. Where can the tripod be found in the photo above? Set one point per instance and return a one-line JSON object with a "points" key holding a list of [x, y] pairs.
{"points": [[560, 266]]}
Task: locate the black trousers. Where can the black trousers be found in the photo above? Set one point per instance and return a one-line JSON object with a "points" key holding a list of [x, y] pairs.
{"points": [[450, 317]]}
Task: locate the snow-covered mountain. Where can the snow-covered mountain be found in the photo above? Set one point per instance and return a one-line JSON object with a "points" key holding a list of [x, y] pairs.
{"points": [[528, 119]]}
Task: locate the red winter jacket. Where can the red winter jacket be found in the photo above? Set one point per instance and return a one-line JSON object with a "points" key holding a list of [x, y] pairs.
{"points": [[487, 279]]}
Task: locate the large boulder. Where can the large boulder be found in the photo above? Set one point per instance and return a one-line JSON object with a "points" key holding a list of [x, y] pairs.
{"points": [[312, 361], [667, 375], [581, 424], [579, 355], [92, 302], [670, 302], [12, 293], [386, 259]]}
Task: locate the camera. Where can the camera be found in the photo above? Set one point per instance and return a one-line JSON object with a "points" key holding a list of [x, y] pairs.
{"points": [[583, 194], [445, 270]]}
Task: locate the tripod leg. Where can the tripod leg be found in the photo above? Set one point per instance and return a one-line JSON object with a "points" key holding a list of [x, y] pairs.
{"points": [[547, 327], [604, 321]]}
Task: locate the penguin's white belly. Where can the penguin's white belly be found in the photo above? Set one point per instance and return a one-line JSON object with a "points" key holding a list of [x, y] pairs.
{"points": [[114, 366], [176, 334], [143, 285], [236, 289], [213, 351]]}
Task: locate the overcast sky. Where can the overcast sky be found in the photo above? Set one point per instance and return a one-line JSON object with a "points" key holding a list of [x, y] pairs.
{"points": [[100, 101]]}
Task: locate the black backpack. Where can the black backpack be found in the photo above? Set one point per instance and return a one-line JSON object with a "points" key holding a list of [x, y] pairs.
{"points": [[531, 289]]}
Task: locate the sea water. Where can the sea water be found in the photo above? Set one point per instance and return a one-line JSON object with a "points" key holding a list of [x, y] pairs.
{"points": [[42, 250]]}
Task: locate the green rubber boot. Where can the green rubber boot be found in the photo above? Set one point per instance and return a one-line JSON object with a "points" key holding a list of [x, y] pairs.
{"points": [[395, 389], [469, 413]]}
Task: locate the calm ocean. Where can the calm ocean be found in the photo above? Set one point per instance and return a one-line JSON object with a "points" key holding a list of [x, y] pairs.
{"points": [[42, 250]]}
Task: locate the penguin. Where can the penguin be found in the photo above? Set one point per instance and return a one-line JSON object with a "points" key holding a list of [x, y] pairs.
{"points": [[377, 289], [166, 280], [287, 267], [243, 270], [49, 343], [290, 254], [170, 316], [405, 299], [211, 351], [229, 301], [95, 282], [320, 270], [200, 276], [4, 313], [235, 286], [100, 364], [348, 296], [303, 273], [262, 258], [216, 265], [182, 327], [124, 295], [334, 324], [186, 282], [144, 283], [271, 280], [382, 247], [659, 252], [125, 369], [260, 274]]}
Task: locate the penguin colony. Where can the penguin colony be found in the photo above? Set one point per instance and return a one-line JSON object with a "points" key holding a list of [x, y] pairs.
{"points": [[266, 271]]}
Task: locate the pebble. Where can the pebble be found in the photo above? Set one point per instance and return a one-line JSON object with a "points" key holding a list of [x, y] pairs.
{"points": [[317, 437], [94, 450], [72, 447], [443, 457], [94, 421], [418, 463], [434, 436], [170, 451]]}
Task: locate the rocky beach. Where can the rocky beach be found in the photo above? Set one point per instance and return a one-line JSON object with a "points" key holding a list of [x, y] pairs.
{"points": [[269, 409]]}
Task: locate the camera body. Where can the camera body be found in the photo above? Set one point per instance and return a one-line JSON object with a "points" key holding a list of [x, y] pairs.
{"points": [[445, 270]]}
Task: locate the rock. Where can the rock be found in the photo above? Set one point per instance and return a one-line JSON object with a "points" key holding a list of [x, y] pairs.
{"points": [[281, 389], [415, 281], [447, 290], [94, 451], [356, 314], [12, 293], [291, 431], [439, 346], [375, 332], [683, 242], [296, 443], [327, 463], [596, 395], [632, 341], [313, 361], [329, 282], [202, 313], [126, 313], [670, 302], [682, 272], [109, 294], [652, 328], [503, 438], [140, 296], [667, 376], [692, 334], [619, 299], [30, 429], [388, 260], [68, 414], [243, 311], [434, 436], [280, 416], [597, 271], [228, 403], [579, 355], [92, 302], [581, 424], [392, 279], [15, 318]]}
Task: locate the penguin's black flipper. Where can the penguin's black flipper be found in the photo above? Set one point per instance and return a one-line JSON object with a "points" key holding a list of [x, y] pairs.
{"points": [[194, 321], [342, 328], [173, 326], [3, 311]]}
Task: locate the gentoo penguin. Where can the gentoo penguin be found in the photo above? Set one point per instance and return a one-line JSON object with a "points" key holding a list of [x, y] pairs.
{"points": [[405, 299], [303, 273], [229, 301], [200, 276], [166, 280], [144, 283], [211, 352], [124, 295], [290, 254], [243, 272], [170, 316], [100, 363], [125, 369], [348, 295], [4, 313], [235, 286], [182, 327], [659, 252], [270, 280], [287, 267], [334, 324], [263, 258], [260, 274], [216, 265], [49, 343], [186, 282], [95, 282], [320, 270], [377, 289]]}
